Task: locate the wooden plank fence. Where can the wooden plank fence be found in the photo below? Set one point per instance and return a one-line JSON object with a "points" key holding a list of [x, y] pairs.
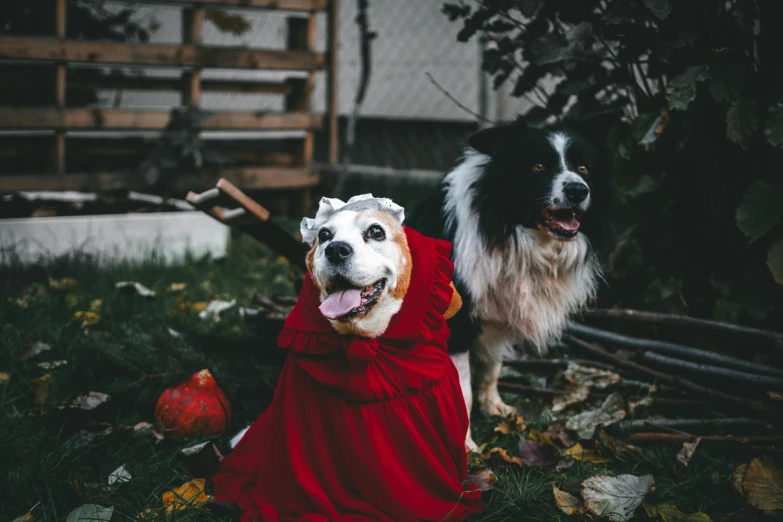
{"points": [[283, 169]]}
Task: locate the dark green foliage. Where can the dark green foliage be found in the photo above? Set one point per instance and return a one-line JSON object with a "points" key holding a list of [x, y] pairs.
{"points": [[689, 98]]}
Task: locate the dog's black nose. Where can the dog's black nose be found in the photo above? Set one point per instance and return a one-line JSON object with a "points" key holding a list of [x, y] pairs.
{"points": [[576, 192], [338, 251]]}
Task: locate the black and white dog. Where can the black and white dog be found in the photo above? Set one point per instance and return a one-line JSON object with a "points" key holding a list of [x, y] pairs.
{"points": [[525, 209]]}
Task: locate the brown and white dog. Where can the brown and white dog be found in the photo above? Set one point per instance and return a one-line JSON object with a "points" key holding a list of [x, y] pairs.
{"points": [[361, 264]]}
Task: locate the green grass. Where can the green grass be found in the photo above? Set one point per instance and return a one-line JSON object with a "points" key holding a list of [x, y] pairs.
{"points": [[57, 461]]}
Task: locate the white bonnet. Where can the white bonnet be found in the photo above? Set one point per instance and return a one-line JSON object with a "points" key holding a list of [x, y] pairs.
{"points": [[328, 206]]}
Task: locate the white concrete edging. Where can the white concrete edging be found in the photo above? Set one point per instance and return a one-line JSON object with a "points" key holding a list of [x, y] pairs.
{"points": [[112, 238]]}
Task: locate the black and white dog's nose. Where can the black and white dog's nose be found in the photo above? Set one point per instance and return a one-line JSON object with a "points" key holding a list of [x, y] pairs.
{"points": [[338, 251], [576, 192]]}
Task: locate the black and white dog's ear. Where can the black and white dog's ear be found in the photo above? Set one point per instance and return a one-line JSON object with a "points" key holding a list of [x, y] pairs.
{"points": [[489, 140]]}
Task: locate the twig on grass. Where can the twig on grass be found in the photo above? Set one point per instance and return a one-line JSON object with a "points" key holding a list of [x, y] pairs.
{"points": [[667, 424], [707, 370], [672, 380], [773, 340], [653, 437], [687, 352], [517, 388]]}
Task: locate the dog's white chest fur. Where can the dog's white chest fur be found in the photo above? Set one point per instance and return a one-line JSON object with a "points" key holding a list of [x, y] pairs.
{"points": [[532, 284]]}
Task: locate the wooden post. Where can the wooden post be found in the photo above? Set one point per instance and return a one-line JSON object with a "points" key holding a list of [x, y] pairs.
{"points": [[191, 34], [59, 134], [331, 85], [301, 37]]}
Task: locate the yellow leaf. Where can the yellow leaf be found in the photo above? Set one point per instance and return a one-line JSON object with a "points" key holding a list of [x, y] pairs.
{"points": [[72, 299], [189, 494], [86, 318], [511, 425], [63, 284], [669, 513], [177, 287], [42, 387], [541, 438], [95, 305], [567, 503], [577, 452], [764, 485], [500, 456], [4, 378]]}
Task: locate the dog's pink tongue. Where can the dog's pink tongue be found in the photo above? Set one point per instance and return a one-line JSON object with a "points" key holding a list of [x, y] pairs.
{"points": [[568, 224], [341, 302]]}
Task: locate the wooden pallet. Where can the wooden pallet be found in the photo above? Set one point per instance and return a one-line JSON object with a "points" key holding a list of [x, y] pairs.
{"points": [[191, 57]]}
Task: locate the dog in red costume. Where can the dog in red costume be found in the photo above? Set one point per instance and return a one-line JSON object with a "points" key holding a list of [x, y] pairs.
{"points": [[367, 421]]}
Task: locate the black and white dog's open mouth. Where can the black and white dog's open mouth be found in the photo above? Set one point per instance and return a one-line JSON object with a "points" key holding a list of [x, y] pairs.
{"points": [[346, 301], [560, 223]]}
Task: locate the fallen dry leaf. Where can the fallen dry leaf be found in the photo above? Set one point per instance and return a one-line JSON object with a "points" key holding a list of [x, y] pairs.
{"points": [[616, 498], [500, 456], [763, 483], [142, 426], [545, 457], [201, 460], [189, 494], [577, 452], [119, 476], [4, 378], [483, 479], [86, 318], [65, 283], [132, 287], [36, 347], [42, 387], [187, 306], [573, 395], [558, 433], [621, 450], [590, 377], [609, 412], [511, 425], [90, 401], [567, 503], [177, 287], [669, 513], [738, 477], [541, 438], [96, 305], [90, 512], [646, 402], [215, 308], [27, 517], [775, 395], [685, 455], [51, 365]]}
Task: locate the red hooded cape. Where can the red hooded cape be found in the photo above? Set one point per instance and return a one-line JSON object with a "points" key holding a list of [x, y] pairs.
{"points": [[361, 429]]}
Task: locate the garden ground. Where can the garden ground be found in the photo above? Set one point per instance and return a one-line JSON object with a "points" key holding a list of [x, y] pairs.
{"points": [[56, 459]]}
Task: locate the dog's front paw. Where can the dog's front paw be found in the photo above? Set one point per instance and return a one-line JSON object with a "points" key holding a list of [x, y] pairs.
{"points": [[492, 404], [470, 444]]}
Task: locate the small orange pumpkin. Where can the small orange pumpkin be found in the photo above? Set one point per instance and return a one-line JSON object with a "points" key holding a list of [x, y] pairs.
{"points": [[195, 408]]}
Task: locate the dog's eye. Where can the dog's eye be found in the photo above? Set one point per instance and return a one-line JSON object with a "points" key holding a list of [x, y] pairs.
{"points": [[325, 235], [375, 232], [538, 167], [581, 169]]}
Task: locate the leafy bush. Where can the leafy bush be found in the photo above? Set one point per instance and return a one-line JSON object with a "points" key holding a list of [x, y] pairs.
{"points": [[688, 96]]}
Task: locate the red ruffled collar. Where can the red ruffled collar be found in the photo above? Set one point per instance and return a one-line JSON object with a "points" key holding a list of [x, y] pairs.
{"points": [[429, 295]]}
